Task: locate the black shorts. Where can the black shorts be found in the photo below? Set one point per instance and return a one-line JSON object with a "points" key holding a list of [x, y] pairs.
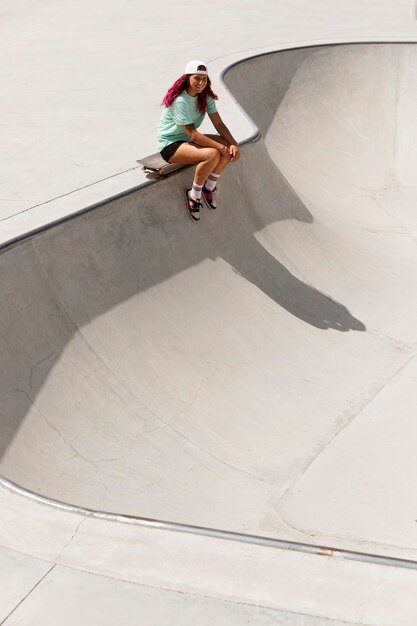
{"points": [[169, 150]]}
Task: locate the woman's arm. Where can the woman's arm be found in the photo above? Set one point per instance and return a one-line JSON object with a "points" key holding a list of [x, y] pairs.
{"points": [[224, 132], [222, 129], [203, 140]]}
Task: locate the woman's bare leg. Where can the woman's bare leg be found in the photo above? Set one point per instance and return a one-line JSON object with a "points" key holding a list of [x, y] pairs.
{"points": [[223, 161], [205, 158]]}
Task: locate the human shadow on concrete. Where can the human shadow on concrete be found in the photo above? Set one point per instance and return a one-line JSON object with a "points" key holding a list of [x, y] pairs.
{"points": [[62, 279], [271, 195]]}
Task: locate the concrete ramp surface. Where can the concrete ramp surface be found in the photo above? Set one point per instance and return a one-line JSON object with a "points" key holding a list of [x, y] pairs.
{"points": [[254, 372]]}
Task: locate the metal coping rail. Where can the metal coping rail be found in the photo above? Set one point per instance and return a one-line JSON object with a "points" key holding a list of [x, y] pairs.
{"points": [[214, 533]]}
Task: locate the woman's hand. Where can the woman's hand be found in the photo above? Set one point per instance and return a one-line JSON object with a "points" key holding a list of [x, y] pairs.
{"points": [[234, 153]]}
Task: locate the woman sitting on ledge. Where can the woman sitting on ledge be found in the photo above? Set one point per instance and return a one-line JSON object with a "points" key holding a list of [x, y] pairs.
{"points": [[179, 141]]}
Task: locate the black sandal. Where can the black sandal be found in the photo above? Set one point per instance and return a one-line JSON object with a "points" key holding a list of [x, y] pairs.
{"points": [[193, 207]]}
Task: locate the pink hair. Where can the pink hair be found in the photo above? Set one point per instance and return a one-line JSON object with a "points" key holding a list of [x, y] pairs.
{"points": [[182, 83]]}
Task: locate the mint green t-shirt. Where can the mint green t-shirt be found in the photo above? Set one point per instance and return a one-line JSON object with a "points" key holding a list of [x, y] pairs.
{"points": [[181, 112]]}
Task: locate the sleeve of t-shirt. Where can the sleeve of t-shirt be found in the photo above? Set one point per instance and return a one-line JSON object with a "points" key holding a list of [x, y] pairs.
{"points": [[211, 105], [181, 112]]}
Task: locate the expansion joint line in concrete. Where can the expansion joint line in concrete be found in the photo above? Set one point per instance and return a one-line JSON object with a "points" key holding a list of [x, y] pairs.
{"points": [[28, 594], [366, 403], [69, 193]]}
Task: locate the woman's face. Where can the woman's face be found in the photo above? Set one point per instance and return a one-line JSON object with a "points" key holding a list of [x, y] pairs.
{"points": [[197, 82]]}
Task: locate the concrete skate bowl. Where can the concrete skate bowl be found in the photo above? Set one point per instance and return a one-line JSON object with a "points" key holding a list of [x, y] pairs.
{"points": [[255, 372]]}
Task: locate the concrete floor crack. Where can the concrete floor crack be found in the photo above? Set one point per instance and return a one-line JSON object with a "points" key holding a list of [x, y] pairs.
{"points": [[70, 445], [70, 540]]}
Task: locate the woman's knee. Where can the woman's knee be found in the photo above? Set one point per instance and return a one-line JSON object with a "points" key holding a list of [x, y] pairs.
{"points": [[213, 155]]}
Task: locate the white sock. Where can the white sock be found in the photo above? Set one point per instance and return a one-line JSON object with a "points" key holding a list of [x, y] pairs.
{"points": [[195, 193], [211, 181]]}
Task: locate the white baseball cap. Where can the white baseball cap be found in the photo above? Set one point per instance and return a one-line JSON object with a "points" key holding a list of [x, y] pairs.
{"points": [[196, 67]]}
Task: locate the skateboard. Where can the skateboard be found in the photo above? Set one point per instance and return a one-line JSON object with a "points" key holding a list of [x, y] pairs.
{"points": [[156, 165]]}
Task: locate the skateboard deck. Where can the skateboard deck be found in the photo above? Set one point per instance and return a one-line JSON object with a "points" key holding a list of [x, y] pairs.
{"points": [[156, 164]]}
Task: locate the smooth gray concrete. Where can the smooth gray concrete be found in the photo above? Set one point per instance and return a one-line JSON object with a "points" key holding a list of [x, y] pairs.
{"points": [[19, 575], [205, 373], [68, 597]]}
